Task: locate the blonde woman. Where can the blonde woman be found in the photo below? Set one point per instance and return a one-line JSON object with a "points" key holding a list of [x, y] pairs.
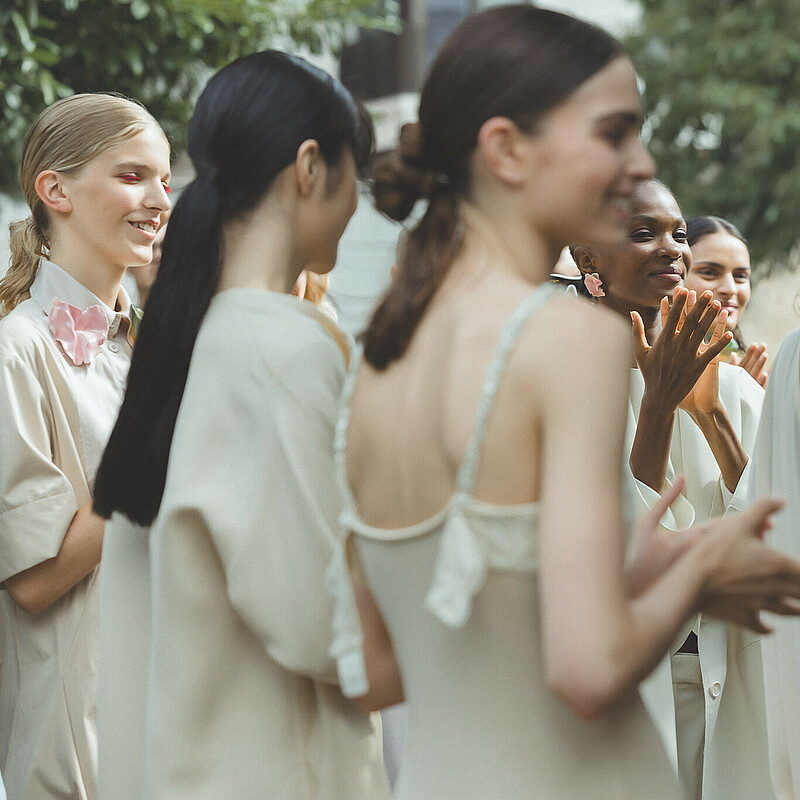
{"points": [[95, 173]]}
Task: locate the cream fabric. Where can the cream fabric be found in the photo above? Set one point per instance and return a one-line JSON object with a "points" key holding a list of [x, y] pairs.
{"points": [[122, 659], [690, 720], [777, 471], [243, 701], [735, 763], [55, 419], [460, 595]]}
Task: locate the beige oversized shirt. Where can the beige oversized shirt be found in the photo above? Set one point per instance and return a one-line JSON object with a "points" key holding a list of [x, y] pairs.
{"points": [[55, 419], [243, 698]]}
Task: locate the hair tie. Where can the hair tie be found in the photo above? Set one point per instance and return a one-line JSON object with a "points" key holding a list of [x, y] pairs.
{"points": [[38, 231], [32, 222], [411, 148]]}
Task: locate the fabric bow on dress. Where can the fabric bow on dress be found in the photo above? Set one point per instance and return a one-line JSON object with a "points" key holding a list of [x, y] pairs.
{"points": [[80, 333]]}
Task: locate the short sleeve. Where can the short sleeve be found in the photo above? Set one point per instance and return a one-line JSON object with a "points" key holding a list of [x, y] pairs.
{"points": [[37, 501], [253, 456]]}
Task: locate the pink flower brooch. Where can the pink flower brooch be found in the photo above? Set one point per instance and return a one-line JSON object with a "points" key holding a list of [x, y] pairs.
{"points": [[80, 333], [593, 284]]}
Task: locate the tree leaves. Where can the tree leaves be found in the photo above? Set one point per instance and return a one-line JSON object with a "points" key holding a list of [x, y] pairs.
{"points": [[722, 95], [159, 52]]}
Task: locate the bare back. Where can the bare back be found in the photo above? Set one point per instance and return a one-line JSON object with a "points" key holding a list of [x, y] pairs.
{"points": [[411, 423]]}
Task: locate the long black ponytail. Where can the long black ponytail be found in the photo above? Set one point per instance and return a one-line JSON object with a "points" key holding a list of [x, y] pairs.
{"points": [[247, 127]]}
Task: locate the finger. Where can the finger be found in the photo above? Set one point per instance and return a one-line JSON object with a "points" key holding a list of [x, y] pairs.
{"points": [[747, 618], [751, 356], [664, 308], [755, 623], [748, 358], [691, 299], [736, 360], [701, 324], [719, 326], [758, 370], [674, 316], [698, 306], [712, 351], [784, 606], [640, 343], [756, 516]]}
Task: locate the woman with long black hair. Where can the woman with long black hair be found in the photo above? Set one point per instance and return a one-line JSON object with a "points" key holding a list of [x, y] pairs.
{"points": [[224, 446]]}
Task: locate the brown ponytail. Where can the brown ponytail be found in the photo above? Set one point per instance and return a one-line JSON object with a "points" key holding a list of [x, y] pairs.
{"points": [[399, 180], [517, 62], [28, 245]]}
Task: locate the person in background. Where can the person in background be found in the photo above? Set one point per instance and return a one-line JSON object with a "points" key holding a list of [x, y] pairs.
{"points": [[697, 419], [721, 264], [95, 173]]}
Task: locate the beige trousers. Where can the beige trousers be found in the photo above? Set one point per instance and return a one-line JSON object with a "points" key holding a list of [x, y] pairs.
{"points": [[690, 722]]}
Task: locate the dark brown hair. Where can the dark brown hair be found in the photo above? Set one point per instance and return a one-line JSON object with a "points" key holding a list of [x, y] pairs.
{"points": [[514, 61]]}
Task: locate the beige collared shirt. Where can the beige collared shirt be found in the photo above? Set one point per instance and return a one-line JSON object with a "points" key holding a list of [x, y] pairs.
{"points": [[55, 419]]}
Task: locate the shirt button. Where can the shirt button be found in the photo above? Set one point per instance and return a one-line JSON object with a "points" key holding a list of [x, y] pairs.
{"points": [[715, 689], [113, 347]]}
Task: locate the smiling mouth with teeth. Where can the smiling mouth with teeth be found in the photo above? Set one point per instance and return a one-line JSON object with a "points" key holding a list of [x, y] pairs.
{"points": [[145, 226]]}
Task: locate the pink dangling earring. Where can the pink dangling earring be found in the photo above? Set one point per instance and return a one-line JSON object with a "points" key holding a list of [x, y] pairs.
{"points": [[593, 284]]}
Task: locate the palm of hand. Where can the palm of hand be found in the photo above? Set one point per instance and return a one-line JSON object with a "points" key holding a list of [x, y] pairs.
{"points": [[703, 397], [680, 368]]}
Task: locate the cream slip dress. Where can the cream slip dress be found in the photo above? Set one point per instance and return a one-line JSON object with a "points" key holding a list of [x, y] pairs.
{"points": [[459, 595]]}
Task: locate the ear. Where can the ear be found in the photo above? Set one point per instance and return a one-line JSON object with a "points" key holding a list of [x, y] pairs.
{"points": [[584, 259], [309, 167], [504, 148], [51, 188]]}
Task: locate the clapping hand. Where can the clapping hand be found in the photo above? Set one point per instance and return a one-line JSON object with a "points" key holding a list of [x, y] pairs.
{"points": [[703, 397], [677, 359], [754, 361]]}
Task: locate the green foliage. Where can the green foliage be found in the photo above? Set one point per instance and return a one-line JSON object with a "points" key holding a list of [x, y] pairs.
{"points": [[722, 94], [159, 52]]}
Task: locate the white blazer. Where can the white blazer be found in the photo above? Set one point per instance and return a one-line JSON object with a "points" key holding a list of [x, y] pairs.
{"points": [[736, 763]]}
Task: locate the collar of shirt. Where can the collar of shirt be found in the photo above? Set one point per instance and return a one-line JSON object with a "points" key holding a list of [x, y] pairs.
{"points": [[52, 282]]}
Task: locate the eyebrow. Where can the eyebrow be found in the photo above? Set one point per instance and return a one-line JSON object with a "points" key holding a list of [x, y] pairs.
{"points": [[133, 166], [652, 220], [629, 117], [720, 266]]}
